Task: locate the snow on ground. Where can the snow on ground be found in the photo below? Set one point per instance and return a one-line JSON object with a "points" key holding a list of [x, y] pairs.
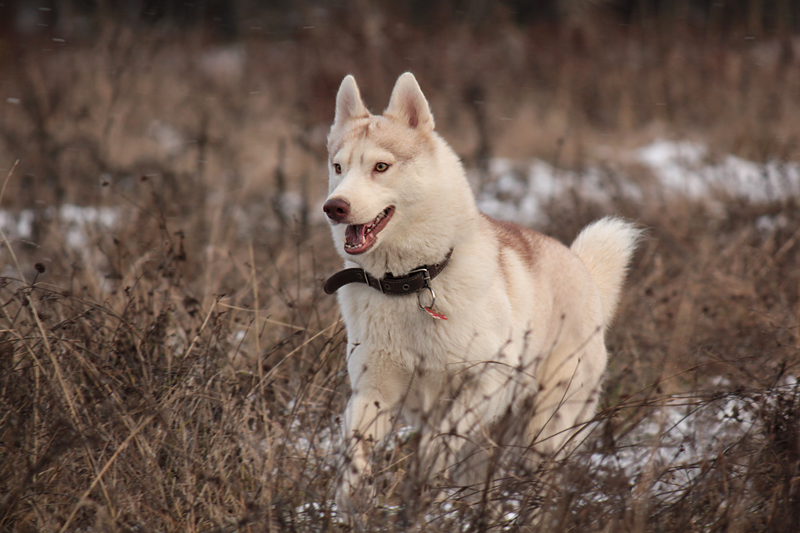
{"points": [[665, 452], [684, 167], [78, 223], [17, 226], [669, 449], [679, 435], [519, 191]]}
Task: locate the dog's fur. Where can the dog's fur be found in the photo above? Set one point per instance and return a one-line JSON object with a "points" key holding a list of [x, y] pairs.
{"points": [[520, 358]]}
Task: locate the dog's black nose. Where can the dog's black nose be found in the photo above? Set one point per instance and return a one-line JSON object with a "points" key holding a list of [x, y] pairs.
{"points": [[336, 209]]}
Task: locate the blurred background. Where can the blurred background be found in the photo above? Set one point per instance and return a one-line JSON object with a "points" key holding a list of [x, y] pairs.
{"points": [[226, 93], [168, 361]]}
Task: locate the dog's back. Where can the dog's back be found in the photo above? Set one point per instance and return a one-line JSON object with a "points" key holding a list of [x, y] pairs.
{"points": [[558, 302]]}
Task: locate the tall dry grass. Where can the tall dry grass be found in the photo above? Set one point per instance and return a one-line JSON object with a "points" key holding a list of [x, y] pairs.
{"points": [[182, 371]]}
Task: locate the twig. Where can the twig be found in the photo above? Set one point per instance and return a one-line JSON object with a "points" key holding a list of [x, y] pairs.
{"points": [[104, 470], [202, 327], [35, 313], [288, 355], [260, 369], [254, 280], [265, 319], [8, 177]]}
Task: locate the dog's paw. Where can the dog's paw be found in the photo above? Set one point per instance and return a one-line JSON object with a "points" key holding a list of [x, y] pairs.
{"points": [[344, 501]]}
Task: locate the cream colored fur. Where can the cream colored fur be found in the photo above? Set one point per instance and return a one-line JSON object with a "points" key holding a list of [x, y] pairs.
{"points": [[520, 360]]}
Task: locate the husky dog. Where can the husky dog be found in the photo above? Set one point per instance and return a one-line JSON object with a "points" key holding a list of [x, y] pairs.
{"points": [[483, 334]]}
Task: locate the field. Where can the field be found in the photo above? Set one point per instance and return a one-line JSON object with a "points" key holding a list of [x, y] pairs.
{"points": [[169, 362]]}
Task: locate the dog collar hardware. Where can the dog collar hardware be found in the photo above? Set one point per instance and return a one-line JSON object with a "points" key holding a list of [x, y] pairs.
{"points": [[429, 308], [417, 279]]}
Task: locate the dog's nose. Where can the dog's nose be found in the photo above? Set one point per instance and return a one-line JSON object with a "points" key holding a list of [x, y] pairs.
{"points": [[336, 209]]}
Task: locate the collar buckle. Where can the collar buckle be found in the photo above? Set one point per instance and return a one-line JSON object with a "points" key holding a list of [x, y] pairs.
{"points": [[426, 274]]}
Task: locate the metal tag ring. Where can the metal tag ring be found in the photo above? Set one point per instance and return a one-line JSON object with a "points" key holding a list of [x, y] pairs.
{"points": [[419, 298]]}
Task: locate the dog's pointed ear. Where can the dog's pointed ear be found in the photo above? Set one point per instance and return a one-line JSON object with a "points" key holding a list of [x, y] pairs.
{"points": [[349, 105], [408, 104]]}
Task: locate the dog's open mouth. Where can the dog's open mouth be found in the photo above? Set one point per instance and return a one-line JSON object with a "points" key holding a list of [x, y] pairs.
{"points": [[358, 238]]}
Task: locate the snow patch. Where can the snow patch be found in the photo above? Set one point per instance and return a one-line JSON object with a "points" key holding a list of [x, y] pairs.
{"points": [[683, 167], [77, 222], [519, 191], [169, 138]]}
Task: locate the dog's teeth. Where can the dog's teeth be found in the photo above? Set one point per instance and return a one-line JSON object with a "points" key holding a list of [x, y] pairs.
{"points": [[376, 221], [368, 229]]}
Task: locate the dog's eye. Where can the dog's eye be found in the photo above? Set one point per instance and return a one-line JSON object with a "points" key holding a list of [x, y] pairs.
{"points": [[381, 167], [337, 168]]}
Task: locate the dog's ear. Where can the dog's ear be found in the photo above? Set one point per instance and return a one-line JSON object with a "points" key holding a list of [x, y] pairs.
{"points": [[349, 105], [408, 104]]}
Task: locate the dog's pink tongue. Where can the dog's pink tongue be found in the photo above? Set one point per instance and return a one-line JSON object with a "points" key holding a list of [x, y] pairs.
{"points": [[354, 234]]}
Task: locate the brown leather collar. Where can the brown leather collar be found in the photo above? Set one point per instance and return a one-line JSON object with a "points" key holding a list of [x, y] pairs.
{"points": [[416, 280]]}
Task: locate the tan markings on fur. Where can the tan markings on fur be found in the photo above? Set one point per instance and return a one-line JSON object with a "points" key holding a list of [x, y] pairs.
{"points": [[393, 137], [386, 133], [502, 264], [349, 132], [522, 241]]}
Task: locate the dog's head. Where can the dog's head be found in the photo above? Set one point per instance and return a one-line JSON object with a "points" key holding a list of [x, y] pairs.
{"points": [[391, 181]]}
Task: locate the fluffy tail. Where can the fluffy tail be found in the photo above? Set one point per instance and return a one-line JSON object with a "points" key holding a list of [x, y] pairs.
{"points": [[606, 246]]}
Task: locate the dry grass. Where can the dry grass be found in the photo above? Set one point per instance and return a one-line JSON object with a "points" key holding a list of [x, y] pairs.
{"points": [[184, 372]]}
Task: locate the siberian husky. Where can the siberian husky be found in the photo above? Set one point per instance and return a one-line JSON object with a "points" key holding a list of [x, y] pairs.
{"points": [[483, 334]]}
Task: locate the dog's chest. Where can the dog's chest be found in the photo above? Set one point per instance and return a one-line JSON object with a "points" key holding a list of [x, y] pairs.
{"points": [[395, 325]]}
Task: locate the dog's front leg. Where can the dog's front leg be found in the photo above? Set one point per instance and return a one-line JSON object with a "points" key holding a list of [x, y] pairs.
{"points": [[367, 420]]}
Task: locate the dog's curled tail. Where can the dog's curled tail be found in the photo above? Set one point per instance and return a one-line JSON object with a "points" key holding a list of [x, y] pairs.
{"points": [[605, 247]]}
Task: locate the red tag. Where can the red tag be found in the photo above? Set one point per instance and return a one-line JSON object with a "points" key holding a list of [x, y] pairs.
{"points": [[434, 314]]}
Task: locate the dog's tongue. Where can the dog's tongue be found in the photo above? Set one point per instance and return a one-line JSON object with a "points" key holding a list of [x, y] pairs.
{"points": [[354, 234]]}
